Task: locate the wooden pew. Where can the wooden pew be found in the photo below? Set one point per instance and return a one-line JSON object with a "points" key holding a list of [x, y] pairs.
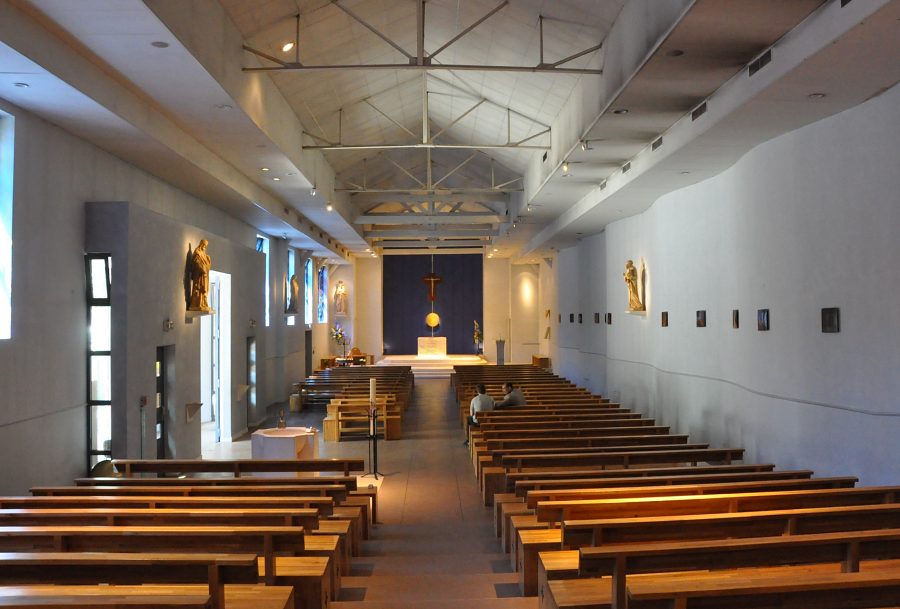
{"points": [[602, 480], [348, 481], [263, 541], [214, 570], [847, 549], [335, 491], [146, 596], [306, 518], [530, 536], [493, 479], [236, 467]]}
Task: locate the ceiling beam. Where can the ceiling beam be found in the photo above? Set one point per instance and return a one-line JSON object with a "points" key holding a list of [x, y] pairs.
{"points": [[415, 197], [413, 233], [469, 29], [427, 145], [459, 67], [441, 192], [475, 217], [433, 243]]}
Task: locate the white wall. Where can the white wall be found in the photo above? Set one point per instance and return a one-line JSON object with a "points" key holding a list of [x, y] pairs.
{"points": [[42, 368], [496, 306], [524, 305], [366, 304], [805, 221]]}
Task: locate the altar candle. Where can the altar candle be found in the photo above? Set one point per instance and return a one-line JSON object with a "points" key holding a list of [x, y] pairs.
{"points": [[371, 389]]}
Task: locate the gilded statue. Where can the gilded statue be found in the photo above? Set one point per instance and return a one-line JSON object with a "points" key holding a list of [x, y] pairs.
{"points": [[631, 280], [294, 301], [200, 266], [340, 298]]}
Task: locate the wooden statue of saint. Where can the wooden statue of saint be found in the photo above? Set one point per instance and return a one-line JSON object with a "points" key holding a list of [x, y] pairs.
{"points": [[200, 267]]}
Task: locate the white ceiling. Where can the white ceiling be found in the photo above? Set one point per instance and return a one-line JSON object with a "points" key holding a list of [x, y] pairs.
{"points": [[378, 107]]}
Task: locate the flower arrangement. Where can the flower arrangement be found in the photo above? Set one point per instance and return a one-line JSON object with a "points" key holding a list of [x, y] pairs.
{"points": [[338, 335], [476, 334]]}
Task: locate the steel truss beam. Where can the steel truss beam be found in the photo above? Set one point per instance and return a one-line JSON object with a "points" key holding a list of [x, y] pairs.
{"points": [[421, 60], [412, 196], [421, 232], [429, 146], [432, 243], [475, 217]]}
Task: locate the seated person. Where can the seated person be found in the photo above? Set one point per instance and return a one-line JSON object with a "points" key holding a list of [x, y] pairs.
{"points": [[513, 397], [482, 402]]}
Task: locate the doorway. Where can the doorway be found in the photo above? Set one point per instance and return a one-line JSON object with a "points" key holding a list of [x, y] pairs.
{"points": [[215, 365]]}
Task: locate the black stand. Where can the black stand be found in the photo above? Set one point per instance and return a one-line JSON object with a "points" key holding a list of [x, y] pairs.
{"points": [[373, 443]]}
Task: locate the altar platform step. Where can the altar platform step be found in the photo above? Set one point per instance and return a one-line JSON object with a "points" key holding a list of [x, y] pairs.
{"points": [[431, 367]]}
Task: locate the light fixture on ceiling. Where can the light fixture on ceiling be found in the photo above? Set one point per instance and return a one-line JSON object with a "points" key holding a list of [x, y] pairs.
{"points": [[496, 250], [223, 107], [816, 96], [528, 208], [329, 207], [313, 191], [287, 47], [159, 44], [675, 53], [21, 85], [565, 167], [368, 249], [621, 111], [276, 179], [584, 145], [264, 169], [290, 173]]}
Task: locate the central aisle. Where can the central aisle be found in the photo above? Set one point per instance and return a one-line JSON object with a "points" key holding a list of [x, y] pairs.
{"points": [[434, 546]]}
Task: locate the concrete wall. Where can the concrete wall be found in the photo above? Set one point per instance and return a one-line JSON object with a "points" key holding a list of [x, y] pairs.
{"points": [[366, 304], [148, 266], [42, 368], [496, 306], [805, 221]]}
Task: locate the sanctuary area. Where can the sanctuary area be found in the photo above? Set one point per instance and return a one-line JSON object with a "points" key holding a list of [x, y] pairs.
{"points": [[420, 304]]}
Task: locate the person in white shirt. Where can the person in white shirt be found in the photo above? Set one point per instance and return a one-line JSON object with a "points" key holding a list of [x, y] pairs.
{"points": [[513, 397], [482, 402]]}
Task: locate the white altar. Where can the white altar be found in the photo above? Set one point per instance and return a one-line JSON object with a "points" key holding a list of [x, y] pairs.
{"points": [[433, 347], [285, 443]]}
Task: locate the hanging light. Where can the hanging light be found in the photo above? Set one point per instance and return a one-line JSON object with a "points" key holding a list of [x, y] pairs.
{"points": [[287, 47], [565, 167]]}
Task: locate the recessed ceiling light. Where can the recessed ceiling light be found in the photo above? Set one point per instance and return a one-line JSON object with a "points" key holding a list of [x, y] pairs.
{"points": [[816, 95], [287, 46], [159, 44], [621, 111], [21, 85], [223, 106], [276, 179], [264, 169], [675, 53]]}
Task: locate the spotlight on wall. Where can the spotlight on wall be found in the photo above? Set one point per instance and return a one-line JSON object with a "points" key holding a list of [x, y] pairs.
{"points": [[168, 325]]}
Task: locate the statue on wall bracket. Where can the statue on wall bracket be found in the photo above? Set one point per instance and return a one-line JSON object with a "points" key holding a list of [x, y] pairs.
{"points": [[340, 298], [294, 299], [199, 273], [632, 281]]}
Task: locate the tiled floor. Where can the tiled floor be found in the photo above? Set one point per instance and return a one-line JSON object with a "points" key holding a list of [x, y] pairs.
{"points": [[434, 546]]}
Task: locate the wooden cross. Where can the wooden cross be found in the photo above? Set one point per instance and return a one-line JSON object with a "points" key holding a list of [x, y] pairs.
{"points": [[432, 280]]}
